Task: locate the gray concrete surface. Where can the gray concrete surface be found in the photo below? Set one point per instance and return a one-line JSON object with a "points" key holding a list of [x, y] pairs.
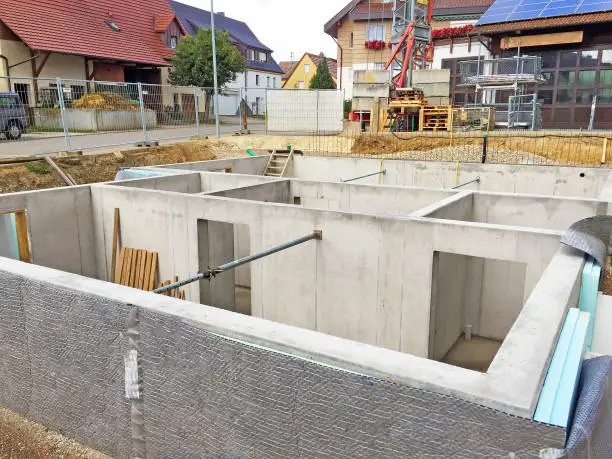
{"points": [[371, 287], [210, 395]]}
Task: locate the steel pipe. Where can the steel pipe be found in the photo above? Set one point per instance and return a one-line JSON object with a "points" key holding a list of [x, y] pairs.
{"points": [[212, 272], [383, 172], [477, 180]]}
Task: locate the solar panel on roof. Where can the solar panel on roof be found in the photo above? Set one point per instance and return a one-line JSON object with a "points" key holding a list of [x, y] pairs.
{"points": [[521, 10]]}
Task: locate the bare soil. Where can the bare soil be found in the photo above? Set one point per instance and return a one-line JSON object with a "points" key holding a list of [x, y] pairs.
{"points": [[606, 281], [21, 438]]}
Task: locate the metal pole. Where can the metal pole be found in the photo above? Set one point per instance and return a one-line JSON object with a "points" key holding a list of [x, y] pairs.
{"points": [[477, 180], [60, 94], [197, 110], [383, 172], [142, 113], [212, 272], [592, 119], [216, 89]]}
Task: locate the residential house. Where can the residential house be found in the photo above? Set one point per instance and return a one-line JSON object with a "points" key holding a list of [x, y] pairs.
{"points": [[575, 45], [78, 41], [262, 71], [361, 22], [305, 70], [287, 67]]}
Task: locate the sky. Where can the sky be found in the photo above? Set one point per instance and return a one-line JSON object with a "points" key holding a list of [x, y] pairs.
{"points": [[286, 26]]}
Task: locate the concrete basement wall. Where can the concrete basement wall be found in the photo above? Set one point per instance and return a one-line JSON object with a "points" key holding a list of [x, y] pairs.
{"points": [[379, 200], [60, 227], [549, 180], [368, 280], [182, 183], [277, 191], [217, 181], [208, 376], [534, 211], [249, 165]]}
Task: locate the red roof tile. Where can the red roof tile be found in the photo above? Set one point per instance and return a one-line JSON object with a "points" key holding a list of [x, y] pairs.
{"points": [[287, 68], [331, 63], [78, 27]]}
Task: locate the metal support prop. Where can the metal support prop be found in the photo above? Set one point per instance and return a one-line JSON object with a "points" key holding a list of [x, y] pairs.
{"points": [[212, 272], [477, 180], [60, 95], [197, 110], [214, 50], [383, 172], [142, 113]]}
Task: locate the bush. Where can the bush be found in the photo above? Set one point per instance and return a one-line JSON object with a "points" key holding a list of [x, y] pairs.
{"points": [[348, 106]]}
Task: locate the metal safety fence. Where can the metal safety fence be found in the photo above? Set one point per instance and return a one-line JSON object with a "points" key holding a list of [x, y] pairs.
{"points": [[48, 115]]}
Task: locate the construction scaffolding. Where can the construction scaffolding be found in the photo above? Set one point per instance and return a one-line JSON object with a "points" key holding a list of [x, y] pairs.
{"points": [[516, 74]]}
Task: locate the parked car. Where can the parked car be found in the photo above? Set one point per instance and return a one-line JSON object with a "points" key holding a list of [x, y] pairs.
{"points": [[13, 116]]}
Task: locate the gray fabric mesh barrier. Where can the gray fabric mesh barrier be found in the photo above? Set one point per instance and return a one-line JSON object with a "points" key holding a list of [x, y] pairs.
{"points": [[590, 436], [61, 364]]}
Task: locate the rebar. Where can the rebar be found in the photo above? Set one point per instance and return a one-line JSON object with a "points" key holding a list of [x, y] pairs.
{"points": [[383, 172]]}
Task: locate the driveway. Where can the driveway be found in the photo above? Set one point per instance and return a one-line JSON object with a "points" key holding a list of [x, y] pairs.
{"points": [[45, 143]]}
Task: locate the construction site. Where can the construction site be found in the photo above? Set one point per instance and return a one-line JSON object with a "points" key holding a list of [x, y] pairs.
{"points": [[421, 279]]}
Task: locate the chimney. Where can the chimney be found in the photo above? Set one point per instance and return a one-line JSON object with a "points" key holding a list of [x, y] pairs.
{"points": [[222, 13], [321, 54]]}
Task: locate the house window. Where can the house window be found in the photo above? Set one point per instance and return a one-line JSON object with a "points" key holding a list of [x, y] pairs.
{"points": [[268, 82], [300, 84], [251, 54], [263, 57], [173, 41], [351, 39], [376, 32], [23, 91], [256, 80], [306, 68]]}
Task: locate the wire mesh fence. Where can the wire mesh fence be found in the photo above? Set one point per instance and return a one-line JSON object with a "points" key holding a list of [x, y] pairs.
{"points": [[54, 114]]}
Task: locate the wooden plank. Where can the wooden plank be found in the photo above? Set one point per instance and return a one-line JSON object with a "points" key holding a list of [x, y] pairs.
{"points": [[560, 38], [153, 271], [127, 262], [166, 283], [23, 243], [118, 273], [147, 271], [115, 246], [143, 262], [175, 291], [132, 281], [137, 267]]}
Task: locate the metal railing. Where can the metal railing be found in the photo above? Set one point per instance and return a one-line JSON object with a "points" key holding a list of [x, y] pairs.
{"points": [[521, 69], [49, 115]]}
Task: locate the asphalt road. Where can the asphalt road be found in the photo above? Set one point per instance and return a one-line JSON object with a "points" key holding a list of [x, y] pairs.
{"points": [[45, 143]]}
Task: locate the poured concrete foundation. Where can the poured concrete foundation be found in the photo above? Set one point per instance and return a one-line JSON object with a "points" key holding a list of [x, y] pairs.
{"points": [[424, 314]]}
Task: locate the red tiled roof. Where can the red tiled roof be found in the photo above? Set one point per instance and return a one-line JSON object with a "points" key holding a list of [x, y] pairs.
{"points": [[162, 21], [331, 63], [78, 27], [560, 21], [287, 68]]}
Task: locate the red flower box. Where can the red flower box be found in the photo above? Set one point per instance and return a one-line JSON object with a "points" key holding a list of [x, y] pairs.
{"points": [[375, 44], [451, 32]]}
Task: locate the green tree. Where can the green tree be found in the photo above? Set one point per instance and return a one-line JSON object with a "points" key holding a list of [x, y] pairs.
{"points": [[323, 78], [192, 64]]}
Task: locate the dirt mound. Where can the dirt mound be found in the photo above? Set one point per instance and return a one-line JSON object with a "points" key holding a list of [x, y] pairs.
{"points": [[103, 168], [100, 168], [104, 101]]}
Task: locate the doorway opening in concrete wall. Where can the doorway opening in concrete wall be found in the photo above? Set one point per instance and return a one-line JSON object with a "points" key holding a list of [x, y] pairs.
{"points": [[14, 239], [219, 243], [474, 303]]}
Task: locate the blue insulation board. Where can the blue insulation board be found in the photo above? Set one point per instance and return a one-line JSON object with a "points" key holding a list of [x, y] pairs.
{"points": [[560, 386], [521, 10], [588, 294]]}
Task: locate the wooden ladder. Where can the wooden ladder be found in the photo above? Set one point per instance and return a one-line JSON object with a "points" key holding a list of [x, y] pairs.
{"points": [[278, 163]]}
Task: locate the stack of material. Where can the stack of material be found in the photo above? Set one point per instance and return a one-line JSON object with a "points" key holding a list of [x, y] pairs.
{"points": [[436, 118], [137, 268], [175, 292]]}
